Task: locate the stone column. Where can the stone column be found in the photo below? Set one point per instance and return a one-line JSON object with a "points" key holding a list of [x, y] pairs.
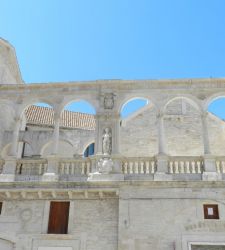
{"points": [[98, 135], [15, 139], [56, 136], [53, 161], [209, 173], [116, 134], [162, 158], [205, 133], [161, 135]]}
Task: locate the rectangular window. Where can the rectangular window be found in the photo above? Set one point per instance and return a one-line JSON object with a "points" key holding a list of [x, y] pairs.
{"points": [[0, 207], [58, 217], [211, 211]]}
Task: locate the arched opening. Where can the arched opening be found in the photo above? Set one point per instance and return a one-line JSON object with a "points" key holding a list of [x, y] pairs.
{"points": [[66, 149], [183, 127], [90, 149], [133, 106], [77, 117], [216, 125], [217, 107], [80, 106], [138, 128], [35, 117]]}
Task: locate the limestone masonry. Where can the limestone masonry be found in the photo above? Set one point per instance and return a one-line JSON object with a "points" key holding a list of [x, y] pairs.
{"points": [[73, 181]]}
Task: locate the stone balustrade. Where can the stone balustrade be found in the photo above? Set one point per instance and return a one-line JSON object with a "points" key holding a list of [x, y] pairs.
{"points": [[31, 166], [72, 168], [80, 166], [185, 165], [145, 165]]}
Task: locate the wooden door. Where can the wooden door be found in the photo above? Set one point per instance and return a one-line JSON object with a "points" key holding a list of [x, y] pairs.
{"points": [[58, 217]]}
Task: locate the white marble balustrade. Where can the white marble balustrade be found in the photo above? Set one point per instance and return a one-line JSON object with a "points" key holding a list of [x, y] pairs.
{"points": [[185, 165], [74, 166], [31, 167], [143, 165]]}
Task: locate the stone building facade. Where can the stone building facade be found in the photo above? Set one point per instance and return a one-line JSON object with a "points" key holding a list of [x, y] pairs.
{"points": [[155, 180]]}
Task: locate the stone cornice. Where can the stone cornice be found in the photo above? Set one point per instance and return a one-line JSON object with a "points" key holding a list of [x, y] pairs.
{"points": [[122, 84]]}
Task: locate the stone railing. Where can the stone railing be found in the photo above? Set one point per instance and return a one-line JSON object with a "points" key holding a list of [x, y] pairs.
{"points": [[78, 169], [31, 166], [81, 166], [145, 165], [220, 165], [185, 165]]}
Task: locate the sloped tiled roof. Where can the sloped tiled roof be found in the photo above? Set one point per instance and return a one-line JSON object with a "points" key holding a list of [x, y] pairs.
{"points": [[44, 116]]}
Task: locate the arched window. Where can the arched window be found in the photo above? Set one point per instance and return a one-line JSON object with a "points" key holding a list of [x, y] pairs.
{"points": [[89, 150], [133, 106]]}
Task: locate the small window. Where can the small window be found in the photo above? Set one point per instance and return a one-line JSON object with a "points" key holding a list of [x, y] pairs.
{"points": [[0, 207], [58, 217], [211, 211]]}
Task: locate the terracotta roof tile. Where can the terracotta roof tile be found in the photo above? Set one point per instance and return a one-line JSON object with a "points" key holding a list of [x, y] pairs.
{"points": [[37, 115]]}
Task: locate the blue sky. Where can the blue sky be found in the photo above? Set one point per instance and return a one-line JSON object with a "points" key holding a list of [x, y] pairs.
{"points": [[79, 40]]}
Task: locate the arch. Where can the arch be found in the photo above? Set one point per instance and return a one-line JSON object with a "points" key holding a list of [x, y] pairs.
{"points": [[83, 101], [141, 102], [89, 149], [134, 97], [193, 102], [26, 105], [66, 148], [212, 98]]}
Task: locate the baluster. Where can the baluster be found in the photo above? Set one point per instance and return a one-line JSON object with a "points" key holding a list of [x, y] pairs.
{"points": [[142, 167], [171, 167], [18, 168], [193, 167], [218, 170], [125, 168], [67, 168], [176, 167], [199, 167], [83, 168], [39, 168], [136, 167], [182, 167], [153, 167], [45, 167], [73, 169], [88, 167], [131, 167], [223, 167], [187, 167], [147, 167]]}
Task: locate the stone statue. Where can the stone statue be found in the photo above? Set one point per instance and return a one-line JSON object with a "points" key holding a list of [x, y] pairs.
{"points": [[107, 141]]}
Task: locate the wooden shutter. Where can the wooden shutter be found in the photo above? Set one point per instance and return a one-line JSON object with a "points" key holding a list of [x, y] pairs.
{"points": [[58, 217]]}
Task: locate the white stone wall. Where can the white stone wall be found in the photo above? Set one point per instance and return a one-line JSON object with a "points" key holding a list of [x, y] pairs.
{"points": [[98, 219], [161, 223], [183, 130]]}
